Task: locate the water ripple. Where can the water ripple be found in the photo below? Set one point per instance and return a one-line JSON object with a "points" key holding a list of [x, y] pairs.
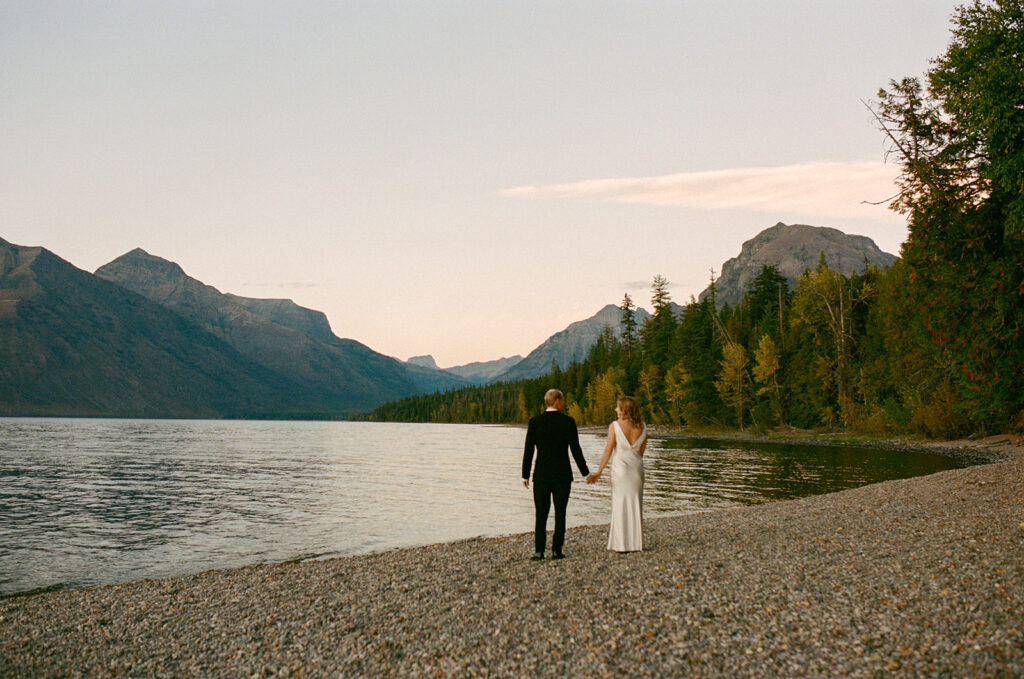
{"points": [[101, 501]]}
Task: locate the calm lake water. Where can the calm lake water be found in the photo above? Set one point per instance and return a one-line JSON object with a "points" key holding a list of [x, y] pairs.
{"points": [[86, 502]]}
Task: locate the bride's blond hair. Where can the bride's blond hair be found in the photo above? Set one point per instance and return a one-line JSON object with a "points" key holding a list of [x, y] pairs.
{"points": [[630, 410]]}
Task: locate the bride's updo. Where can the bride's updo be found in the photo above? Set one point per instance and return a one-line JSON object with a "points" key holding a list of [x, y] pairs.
{"points": [[630, 410]]}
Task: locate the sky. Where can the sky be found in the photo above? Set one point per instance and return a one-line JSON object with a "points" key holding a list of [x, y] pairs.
{"points": [[455, 178]]}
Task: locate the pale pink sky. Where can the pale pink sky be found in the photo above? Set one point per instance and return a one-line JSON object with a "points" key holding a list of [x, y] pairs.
{"points": [[455, 178]]}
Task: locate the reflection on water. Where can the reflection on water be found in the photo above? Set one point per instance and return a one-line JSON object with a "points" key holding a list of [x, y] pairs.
{"points": [[698, 474], [101, 501]]}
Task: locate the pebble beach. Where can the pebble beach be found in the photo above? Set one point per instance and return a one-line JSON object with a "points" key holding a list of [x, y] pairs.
{"points": [[915, 577]]}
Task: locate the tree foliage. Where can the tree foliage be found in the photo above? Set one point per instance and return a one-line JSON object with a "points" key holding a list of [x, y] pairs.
{"points": [[932, 345], [732, 382], [960, 142]]}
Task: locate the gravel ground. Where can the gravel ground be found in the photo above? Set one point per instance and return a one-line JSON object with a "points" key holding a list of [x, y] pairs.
{"points": [[917, 577]]}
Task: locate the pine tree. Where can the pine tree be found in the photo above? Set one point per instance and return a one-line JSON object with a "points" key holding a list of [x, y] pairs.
{"points": [[960, 142], [700, 352], [628, 321], [659, 329], [732, 382], [766, 301], [766, 373]]}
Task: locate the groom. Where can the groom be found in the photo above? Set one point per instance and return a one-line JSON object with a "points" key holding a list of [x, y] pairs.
{"points": [[553, 434]]}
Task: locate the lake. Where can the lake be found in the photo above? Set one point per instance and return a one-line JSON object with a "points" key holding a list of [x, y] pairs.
{"points": [[86, 502]]}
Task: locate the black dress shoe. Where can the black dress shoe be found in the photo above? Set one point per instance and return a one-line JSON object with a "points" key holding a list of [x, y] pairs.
{"points": [[557, 555], [539, 556]]}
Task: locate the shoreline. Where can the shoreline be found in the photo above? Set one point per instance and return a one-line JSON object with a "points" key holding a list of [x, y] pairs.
{"points": [[915, 576], [987, 450], [963, 452]]}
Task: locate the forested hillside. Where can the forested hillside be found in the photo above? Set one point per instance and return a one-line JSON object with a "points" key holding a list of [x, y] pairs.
{"points": [[932, 345]]}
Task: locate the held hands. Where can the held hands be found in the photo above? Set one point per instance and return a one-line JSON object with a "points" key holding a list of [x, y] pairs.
{"points": [[594, 477]]}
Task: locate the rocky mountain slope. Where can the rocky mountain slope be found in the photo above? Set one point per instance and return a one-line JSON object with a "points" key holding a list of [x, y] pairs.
{"points": [[277, 334], [794, 248], [287, 313], [141, 338], [74, 344], [571, 344], [426, 361], [483, 372]]}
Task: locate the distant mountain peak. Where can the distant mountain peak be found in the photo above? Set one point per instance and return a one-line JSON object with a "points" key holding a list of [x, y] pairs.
{"points": [[142, 270], [482, 372], [571, 344], [792, 249], [17, 278], [427, 361], [80, 345], [278, 334]]}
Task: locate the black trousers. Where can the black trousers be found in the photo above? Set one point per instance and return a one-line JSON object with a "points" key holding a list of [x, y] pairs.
{"points": [[543, 492]]}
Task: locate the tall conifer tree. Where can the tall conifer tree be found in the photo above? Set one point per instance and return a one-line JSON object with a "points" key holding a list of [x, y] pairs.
{"points": [[960, 142]]}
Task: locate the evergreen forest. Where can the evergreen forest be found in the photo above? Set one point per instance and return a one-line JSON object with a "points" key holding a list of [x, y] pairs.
{"points": [[932, 346]]}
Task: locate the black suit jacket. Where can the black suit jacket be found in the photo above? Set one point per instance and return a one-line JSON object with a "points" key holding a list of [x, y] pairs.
{"points": [[553, 434]]}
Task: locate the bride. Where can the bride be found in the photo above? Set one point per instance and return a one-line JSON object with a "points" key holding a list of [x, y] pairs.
{"points": [[627, 440]]}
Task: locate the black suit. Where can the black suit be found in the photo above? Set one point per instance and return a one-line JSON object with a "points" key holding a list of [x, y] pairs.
{"points": [[553, 434]]}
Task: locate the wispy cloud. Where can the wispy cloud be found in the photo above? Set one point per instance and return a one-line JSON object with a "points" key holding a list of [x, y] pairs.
{"points": [[285, 285], [818, 189]]}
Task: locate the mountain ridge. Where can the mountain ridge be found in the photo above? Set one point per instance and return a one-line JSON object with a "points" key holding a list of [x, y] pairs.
{"points": [[483, 372], [277, 356], [273, 333], [792, 249], [75, 344], [571, 344]]}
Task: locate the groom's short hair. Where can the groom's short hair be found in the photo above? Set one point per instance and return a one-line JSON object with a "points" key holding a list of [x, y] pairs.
{"points": [[553, 395]]}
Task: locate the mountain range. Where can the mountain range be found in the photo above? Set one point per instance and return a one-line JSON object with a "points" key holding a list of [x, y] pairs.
{"points": [[481, 372], [72, 343], [792, 248], [141, 338], [571, 344]]}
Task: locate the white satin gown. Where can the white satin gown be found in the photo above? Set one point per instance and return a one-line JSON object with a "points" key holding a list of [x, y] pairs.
{"points": [[627, 479]]}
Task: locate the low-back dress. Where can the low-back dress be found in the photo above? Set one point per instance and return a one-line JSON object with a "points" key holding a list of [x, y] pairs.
{"points": [[627, 478]]}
